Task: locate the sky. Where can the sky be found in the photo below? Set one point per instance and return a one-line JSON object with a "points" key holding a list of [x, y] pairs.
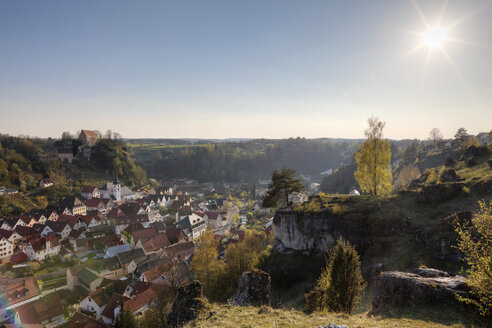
{"points": [[244, 69]]}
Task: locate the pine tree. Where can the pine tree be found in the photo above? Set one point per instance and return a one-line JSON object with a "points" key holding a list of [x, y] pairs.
{"points": [[374, 161], [282, 185], [340, 286]]}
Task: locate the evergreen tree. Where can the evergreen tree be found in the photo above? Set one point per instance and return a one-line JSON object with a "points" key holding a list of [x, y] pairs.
{"points": [[282, 185], [340, 285], [125, 319], [374, 161]]}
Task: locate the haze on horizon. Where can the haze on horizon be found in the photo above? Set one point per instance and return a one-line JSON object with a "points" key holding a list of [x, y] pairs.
{"points": [[250, 69]]}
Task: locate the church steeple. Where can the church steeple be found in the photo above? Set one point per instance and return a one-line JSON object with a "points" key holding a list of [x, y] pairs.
{"points": [[116, 188]]}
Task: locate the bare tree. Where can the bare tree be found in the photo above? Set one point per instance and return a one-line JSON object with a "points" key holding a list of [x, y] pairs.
{"points": [[435, 135], [176, 272]]}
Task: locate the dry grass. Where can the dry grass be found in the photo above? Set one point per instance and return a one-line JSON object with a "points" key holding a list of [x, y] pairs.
{"points": [[249, 317]]}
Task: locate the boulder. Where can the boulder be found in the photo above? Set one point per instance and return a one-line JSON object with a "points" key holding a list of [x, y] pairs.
{"points": [[430, 273], [449, 162], [427, 287], [254, 288], [449, 176], [439, 192], [187, 305]]}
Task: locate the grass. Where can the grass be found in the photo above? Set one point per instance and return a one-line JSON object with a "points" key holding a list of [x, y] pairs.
{"points": [[249, 317]]}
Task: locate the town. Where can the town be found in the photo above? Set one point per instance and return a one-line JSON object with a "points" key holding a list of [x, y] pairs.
{"points": [[110, 244]]}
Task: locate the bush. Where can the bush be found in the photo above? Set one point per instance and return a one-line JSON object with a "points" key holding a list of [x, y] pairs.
{"points": [[340, 285]]}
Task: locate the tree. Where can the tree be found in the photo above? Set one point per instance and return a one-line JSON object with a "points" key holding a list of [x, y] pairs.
{"points": [[176, 273], [490, 136], [66, 136], [282, 185], [475, 243], [374, 160], [205, 263], [407, 175], [340, 285], [435, 135], [125, 319], [460, 137]]}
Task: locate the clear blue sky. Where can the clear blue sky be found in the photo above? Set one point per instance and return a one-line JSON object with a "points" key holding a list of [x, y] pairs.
{"points": [[218, 69]]}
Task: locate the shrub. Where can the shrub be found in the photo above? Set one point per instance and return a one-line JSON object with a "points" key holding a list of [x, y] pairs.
{"points": [[475, 242], [340, 285]]}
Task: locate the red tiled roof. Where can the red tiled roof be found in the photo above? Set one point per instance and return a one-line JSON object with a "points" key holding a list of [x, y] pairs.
{"points": [[94, 202], [143, 234], [18, 290], [88, 189], [155, 243], [25, 231], [140, 300], [19, 258], [80, 320], [40, 310], [4, 233]]}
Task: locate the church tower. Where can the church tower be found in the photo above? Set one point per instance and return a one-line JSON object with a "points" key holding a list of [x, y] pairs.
{"points": [[117, 189]]}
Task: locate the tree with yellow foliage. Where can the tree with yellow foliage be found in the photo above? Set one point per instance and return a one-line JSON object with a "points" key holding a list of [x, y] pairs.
{"points": [[205, 263], [374, 160], [475, 242]]}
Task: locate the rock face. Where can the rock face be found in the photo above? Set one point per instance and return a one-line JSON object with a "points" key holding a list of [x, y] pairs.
{"points": [[439, 192], [254, 288], [425, 287], [441, 237], [317, 232], [187, 304], [449, 176]]}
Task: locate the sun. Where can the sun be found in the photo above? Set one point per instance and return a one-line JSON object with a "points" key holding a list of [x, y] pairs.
{"points": [[435, 36]]}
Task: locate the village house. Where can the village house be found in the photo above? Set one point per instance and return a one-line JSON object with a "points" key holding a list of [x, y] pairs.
{"points": [[115, 250], [6, 248], [45, 183], [42, 248], [89, 192], [65, 154], [111, 268], [88, 138], [182, 251], [89, 279], [96, 301], [60, 228], [192, 225], [47, 311], [130, 259], [154, 244], [15, 291], [80, 320], [12, 235], [74, 205]]}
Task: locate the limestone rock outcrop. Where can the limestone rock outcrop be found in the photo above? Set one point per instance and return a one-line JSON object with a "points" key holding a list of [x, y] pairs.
{"points": [[187, 305], [439, 192], [317, 232], [254, 288], [422, 288]]}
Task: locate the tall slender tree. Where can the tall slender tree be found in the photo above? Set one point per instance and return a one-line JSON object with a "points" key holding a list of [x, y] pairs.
{"points": [[374, 160]]}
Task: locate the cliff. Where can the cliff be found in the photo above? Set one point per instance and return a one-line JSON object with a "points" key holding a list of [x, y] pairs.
{"points": [[316, 232]]}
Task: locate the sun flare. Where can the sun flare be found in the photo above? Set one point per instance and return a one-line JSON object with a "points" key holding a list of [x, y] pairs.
{"points": [[435, 36]]}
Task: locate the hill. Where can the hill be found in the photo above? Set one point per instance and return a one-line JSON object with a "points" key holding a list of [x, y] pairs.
{"points": [[246, 161], [25, 161]]}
